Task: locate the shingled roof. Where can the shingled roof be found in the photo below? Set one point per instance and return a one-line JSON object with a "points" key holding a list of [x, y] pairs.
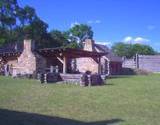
{"points": [[16, 48], [11, 48], [111, 56]]}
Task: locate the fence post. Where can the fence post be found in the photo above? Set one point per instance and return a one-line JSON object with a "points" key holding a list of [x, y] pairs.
{"points": [[45, 78], [137, 61], [57, 69], [51, 69], [89, 81]]}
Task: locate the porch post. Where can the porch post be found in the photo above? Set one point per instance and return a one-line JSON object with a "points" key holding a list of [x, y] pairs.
{"points": [[108, 66], [99, 65], [64, 64]]}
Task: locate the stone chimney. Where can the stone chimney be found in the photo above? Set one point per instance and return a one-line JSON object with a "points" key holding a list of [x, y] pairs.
{"points": [[89, 45], [28, 45], [29, 61]]}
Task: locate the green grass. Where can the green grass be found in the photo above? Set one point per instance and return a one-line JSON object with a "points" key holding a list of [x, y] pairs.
{"points": [[127, 100]]}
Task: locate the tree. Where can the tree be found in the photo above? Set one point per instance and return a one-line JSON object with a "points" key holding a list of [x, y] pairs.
{"points": [[10, 20], [59, 38], [16, 21], [8, 13], [37, 31], [3, 36], [122, 49], [7, 19], [130, 50], [73, 45], [81, 32], [142, 49], [29, 15]]}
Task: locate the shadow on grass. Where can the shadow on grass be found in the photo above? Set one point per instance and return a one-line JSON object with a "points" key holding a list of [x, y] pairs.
{"points": [[108, 84], [8, 117], [120, 76]]}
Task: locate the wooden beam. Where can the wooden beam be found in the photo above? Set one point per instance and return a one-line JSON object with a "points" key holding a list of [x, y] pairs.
{"points": [[64, 65], [60, 59]]}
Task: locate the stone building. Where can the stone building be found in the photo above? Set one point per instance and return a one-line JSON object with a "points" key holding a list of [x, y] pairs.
{"points": [[26, 59], [23, 59], [110, 64]]}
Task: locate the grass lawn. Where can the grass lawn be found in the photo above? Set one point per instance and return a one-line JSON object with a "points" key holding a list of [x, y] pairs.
{"points": [[127, 100]]}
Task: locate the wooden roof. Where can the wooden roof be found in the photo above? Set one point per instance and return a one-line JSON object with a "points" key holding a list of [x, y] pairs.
{"points": [[47, 52], [10, 54], [13, 49], [111, 56], [71, 53]]}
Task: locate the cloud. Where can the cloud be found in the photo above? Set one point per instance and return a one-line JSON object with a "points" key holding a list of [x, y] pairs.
{"points": [[97, 21], [156, 46], [88, 22], [151, 27], [94, 21], [141, 40], [128, 39], [131, 40], [104, 43], [74, 23]]}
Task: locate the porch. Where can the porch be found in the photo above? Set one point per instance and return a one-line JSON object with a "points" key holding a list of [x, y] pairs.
{"points": [[65, 55]]}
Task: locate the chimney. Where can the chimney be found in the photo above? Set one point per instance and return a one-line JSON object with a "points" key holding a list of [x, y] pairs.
{"points": [[89, 45], [28, 45]]}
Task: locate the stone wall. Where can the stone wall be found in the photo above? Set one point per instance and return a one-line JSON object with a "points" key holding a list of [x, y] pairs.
{"points": [[87, 64], [109, 64], [12, 61], [89, 45], [29, 61]]}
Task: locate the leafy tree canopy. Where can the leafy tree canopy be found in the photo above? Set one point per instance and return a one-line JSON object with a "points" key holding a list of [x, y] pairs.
{"points": [[81, 32], [130, 50], [17, 23]]}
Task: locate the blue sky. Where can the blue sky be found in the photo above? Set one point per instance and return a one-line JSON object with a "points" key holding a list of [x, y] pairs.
{"points": [[135, 21]]}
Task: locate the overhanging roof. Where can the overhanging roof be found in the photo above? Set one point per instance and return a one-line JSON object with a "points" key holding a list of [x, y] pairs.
{"points": [[51, 52], [69, 52], [10, 54], [11, 49]]}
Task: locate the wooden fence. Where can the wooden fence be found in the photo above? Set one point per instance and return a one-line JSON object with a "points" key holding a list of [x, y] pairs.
{"points": [[145, 62]]}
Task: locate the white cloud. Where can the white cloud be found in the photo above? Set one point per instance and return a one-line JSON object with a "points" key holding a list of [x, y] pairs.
{"points": [[97, 21], [151, 27], [74, 23], [128, 39], [139, 40], [90, 21], [94, 21], [105, 43]]}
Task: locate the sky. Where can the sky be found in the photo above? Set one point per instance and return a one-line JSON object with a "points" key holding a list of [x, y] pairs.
{"points": [[130, 21]]}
